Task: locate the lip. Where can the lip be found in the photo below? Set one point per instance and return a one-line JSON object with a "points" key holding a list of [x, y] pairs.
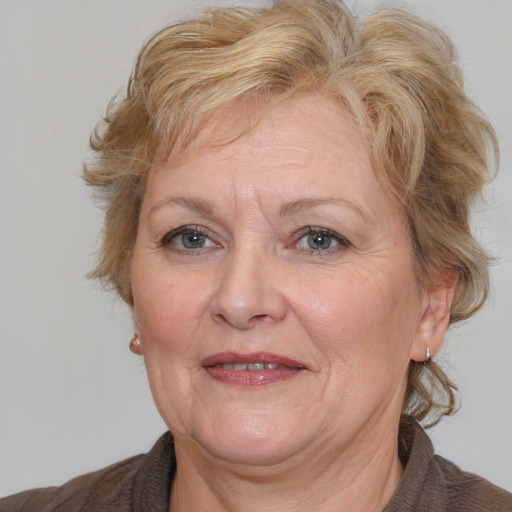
{"points": [[286, 368], [263, 357]]}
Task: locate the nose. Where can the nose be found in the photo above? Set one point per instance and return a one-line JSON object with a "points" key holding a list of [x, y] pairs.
{"points": [[248, 292]]}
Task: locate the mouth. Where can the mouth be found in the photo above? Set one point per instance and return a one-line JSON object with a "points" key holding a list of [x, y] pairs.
{"points": [[249, 366], [251, 370]]}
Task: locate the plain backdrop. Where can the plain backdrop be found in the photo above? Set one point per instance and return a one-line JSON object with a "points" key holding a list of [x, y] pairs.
{"points": [[72, 397]]}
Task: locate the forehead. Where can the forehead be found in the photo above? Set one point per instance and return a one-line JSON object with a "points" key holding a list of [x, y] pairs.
{"points": [[299, 128], [308, 146]]}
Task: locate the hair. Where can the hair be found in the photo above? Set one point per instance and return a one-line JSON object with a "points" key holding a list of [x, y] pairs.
{"points": [[395, 73]]}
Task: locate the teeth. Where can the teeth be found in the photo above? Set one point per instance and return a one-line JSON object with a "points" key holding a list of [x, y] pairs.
{"points": [[256, 366], [249, 366]]}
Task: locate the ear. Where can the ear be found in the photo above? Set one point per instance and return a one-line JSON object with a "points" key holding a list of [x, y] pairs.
{"points": [[135, 343], [435, 318]]}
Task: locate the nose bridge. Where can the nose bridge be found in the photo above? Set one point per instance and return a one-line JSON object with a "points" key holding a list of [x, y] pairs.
{"points": [[248, 289]]}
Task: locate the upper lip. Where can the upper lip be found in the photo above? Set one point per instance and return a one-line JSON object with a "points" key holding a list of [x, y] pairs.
{"points": [[254, 357]]}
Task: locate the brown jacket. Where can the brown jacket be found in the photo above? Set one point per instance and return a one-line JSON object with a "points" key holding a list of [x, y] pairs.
{"points": [[141, 484]]}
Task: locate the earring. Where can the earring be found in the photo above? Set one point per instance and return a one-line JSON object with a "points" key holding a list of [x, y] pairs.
{"points": [[427, 358], [135, 345]]}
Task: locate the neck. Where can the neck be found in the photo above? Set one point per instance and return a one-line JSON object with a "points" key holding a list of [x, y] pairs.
{"points": [[360, 478]]}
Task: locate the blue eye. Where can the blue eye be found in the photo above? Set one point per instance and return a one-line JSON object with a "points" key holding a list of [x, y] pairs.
{"points": [[320, 240], [187, 238], [192, 240]]}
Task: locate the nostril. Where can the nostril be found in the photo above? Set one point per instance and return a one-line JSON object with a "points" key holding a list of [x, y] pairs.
{"points": [[256, 319], [246, 296], [241, 322]]}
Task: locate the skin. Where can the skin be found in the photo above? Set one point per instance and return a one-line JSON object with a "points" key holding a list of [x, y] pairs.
{"points": [[351, 313]]}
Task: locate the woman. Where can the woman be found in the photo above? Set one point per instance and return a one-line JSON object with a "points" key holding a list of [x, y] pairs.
{"points": [[287, 194]]}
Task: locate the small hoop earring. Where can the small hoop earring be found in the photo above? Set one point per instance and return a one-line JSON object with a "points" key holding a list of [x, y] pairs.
{"points": [[427, 357], [135, 346]]}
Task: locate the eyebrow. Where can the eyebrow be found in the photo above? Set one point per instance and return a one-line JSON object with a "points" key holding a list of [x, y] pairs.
{"points": [[288, 209], [197, 205], [308, 203]]}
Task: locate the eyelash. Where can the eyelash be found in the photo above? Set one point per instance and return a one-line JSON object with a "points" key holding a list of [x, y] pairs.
{"points": [[166, 240], [342, 243]]}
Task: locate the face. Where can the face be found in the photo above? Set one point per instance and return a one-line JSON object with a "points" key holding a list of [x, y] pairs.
{"points": [[274, 290]]}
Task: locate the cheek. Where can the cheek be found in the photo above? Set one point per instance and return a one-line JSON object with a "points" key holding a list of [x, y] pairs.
{"points": [[168, 307], [361, 316]]}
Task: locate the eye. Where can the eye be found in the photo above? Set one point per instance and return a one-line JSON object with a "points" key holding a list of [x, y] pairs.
{"points": [[187, 238], [318, 239]]}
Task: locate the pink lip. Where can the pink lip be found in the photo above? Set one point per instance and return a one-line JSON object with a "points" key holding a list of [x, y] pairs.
{"points": [[286, 369], [255, 357]]}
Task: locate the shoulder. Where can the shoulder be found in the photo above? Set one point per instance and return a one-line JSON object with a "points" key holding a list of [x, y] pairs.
{"points": [[467, 492], [432, 483], [139, 483], [98, 491]]}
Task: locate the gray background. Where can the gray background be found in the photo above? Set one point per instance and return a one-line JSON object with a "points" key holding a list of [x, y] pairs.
{"points": [[72, 397]]}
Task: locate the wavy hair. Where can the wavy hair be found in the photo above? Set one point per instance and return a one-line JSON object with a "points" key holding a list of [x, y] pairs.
{"points": [[395, 73]]}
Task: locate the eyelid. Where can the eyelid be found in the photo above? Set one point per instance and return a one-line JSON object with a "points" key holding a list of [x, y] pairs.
{"points": [[342, 242], [167, 238], [311, 230]]}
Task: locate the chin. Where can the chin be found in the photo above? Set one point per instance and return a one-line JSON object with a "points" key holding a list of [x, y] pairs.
{"points": [[260, 441]]}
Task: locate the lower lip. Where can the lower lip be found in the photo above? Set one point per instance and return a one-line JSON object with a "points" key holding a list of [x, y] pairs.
{"points": [[251, 378]]}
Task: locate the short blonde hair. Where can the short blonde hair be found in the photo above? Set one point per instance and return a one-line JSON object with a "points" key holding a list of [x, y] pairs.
{"points": [[393, 71]]}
